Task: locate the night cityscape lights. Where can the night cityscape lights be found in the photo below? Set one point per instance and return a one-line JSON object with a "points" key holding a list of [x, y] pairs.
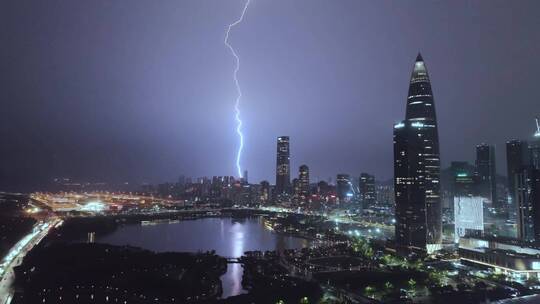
{"points": [[116, 179]]}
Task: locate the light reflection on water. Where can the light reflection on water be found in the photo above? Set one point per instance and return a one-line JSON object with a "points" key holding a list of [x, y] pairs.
{"points": [[228, 237]]}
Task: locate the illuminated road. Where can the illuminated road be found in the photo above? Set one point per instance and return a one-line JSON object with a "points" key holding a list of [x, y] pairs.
{"points": [[16, 254]]}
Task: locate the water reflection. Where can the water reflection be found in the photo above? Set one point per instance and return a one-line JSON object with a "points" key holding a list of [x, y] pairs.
{"points": [[229, 238], [231, 281]]}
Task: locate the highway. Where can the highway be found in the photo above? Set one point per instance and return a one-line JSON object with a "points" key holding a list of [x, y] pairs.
{"points": [[16, 255]]}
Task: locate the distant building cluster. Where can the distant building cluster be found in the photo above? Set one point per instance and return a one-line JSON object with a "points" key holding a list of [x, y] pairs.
{"points": [[360, 193]]}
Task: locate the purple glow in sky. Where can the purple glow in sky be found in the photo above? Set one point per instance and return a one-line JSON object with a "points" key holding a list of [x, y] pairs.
{"points": [[141, 90]]}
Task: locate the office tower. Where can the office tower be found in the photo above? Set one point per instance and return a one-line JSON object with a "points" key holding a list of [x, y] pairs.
{"points": [[534, 148], [245, 177], [468, 216], [368, 196], [486, 172], [265, 192], [228, 181], [385, 195], [462, 179], [417, 167], [534, 184], [181, 180], [283, 166], [527, 193], [295, 187], [322, 188], [343, 187], [303, 179], [517, 157], [527, 183]]}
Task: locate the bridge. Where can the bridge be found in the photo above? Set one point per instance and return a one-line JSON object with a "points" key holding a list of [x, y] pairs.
{"points": [[231, 260]]}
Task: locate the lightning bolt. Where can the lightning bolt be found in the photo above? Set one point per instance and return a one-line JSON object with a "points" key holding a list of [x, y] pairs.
{"points": [[238, 90]]}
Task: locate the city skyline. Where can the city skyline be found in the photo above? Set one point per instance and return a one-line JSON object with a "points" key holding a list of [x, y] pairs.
{"points": [[147, 101], [257, 151]]}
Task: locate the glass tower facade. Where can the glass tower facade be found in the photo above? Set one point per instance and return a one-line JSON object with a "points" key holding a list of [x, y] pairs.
{"points": [[517, 157], [417, 167], [283, 168], [368, 195], [534, 148], [344, 190], [486, 172], [303, 178]]}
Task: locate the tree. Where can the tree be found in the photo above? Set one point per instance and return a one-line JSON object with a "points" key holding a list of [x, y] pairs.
{"points": [[411, 283], [369, 291], [532, 280]]}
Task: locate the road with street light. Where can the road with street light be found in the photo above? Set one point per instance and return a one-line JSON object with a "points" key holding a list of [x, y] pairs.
{"points": [[17, 253]]}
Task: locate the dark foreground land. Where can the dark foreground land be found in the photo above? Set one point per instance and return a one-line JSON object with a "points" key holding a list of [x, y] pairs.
{"points": [[14, 223], [96, 273], [59, 272], [268, 281]]}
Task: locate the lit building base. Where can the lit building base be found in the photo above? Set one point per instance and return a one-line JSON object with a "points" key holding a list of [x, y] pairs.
{"points": [[517, 260], [431, 248]]}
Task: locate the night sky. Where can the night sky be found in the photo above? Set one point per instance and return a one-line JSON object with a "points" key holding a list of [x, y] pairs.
{"points": [[142, 91]]}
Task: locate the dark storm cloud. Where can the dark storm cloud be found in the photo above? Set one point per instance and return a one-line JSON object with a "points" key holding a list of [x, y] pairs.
{"points": [[142, 90]]}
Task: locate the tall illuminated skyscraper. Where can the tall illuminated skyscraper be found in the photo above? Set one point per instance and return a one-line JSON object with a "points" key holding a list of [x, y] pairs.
{"points": [[343, 187], [245, 177], [486, 172], [527, 193], [417, 167], [534, 147], [283, 168], [517, 157], [303, 179], [528, 204], [368, 195]]}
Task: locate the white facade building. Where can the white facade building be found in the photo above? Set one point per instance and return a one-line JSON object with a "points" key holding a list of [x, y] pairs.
{"points": [[468, 215]]}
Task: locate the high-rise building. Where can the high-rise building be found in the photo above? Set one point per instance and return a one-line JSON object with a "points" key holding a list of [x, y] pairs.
{"points": [[368, 195], [245, 177], [468, 216], [462, 179], [527, 195], [296, 188], [534, 148], [343, 187], [486, 172], [322, 188], [283, 178], [417, 167], [385, 195], [265, 192], [181, 180], [303, 179], [517, 157]]}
